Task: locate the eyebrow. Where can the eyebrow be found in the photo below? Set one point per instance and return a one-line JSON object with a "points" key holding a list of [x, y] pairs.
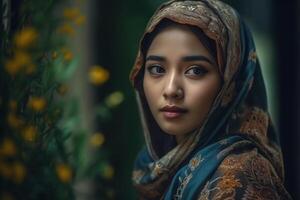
{"points": [[185, 58], [156, 58], [197, 58]]}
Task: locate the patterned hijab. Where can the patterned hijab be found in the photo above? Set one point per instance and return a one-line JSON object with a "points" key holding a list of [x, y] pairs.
{"points": [[237, 121]]}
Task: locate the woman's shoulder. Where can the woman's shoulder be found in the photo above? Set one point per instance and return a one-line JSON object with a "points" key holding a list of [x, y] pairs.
{"points": [[246, 175]]}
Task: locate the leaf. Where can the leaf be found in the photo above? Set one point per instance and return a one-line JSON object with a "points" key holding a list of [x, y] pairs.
{"points": [[63, 72]]}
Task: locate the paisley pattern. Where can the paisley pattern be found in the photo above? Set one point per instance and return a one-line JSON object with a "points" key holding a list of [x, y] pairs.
{"points": [[244, 176], [193, 164], [235, 154]]}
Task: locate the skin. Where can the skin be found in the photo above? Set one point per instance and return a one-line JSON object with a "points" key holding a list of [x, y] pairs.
{"points": [[171, 78]]}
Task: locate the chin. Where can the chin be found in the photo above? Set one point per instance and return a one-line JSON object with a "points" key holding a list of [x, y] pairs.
{"points": [[174, 131]]}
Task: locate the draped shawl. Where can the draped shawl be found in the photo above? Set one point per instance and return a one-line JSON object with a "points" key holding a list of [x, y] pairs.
{"points": [[235, 154]]}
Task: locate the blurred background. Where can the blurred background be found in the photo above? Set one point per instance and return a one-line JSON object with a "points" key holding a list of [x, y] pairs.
{"points": [[109, 40]]}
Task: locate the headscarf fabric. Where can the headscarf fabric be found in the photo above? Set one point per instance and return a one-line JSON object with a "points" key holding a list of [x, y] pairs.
{"points": [[237, 130]]}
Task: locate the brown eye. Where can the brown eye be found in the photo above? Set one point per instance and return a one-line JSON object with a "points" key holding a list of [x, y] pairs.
{"points": [[196, 71], [155, 70]]}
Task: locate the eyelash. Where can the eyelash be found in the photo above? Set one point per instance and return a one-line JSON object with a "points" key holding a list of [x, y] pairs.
{"points": [[151, 67]]}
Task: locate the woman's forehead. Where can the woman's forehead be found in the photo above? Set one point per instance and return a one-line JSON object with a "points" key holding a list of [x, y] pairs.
{"points": [[176, 41]]}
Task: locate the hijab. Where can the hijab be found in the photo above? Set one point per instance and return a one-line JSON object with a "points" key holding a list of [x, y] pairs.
{"points": [[237, 121]]}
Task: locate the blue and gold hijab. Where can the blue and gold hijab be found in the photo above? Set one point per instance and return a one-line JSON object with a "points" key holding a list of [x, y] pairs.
{"points": [[235, 154]]}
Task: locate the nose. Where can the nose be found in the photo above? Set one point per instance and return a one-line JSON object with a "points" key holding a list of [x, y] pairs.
{"points": [[173, 89]]}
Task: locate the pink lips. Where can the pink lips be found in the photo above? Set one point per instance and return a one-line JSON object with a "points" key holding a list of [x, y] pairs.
{"points": [[171, 112]]}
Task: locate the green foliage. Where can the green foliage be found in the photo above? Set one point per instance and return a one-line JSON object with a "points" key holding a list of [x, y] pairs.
{"points": [[43, 149]]}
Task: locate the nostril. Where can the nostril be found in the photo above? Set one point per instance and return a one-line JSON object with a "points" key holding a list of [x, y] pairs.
{"points": [[177, 93]]}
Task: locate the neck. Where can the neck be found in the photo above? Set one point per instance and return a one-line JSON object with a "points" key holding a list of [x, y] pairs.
{"points": [[180, 138]]}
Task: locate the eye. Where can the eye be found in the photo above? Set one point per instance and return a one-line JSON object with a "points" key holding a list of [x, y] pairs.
{"points": [[196, 71], [155, 70]]}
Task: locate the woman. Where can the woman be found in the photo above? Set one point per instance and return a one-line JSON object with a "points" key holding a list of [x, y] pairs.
{"points": [[203, 107]]}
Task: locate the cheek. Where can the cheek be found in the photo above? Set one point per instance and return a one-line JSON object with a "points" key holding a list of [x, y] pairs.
{"points": [[201, 97]]}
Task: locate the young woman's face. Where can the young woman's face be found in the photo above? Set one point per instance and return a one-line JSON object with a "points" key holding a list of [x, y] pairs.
{"points": [[180, 72]]}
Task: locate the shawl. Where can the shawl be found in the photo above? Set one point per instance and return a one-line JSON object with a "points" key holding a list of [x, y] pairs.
{"points": [[235, 154]]}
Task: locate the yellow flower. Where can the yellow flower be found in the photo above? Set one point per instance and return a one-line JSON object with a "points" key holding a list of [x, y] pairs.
{"points": [[71, 13], [26, 37], [68, 55], [64, 173], [97, 139], [13, 105], [37, 103], [16, 63], [114, 99], [8, 147], [80, 20], [19, 172], [98, 75], [22, 58], [29, 133], [15, 171], [12, 67], [108, 172], [14, 121], [66, 29]]}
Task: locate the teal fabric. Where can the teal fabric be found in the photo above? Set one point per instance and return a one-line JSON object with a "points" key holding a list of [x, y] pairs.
{"points": [[198, 175]]}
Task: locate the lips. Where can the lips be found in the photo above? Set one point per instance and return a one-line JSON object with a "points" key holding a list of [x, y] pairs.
{"points": [[171, 112], [173, 109]]}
